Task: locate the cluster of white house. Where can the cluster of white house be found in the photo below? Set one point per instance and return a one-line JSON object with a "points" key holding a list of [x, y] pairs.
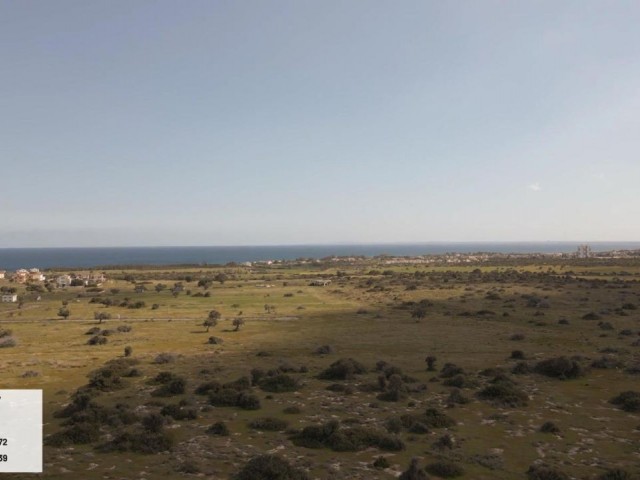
{"points": [[34, 275], [23, 275], [90, 278]]}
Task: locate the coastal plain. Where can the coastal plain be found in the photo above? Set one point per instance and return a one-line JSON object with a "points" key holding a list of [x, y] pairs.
{"points": [[527, 359]]}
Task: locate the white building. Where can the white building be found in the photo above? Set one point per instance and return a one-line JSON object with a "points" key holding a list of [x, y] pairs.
{"points": [[63, 281], [2, 274], [9, 297]]}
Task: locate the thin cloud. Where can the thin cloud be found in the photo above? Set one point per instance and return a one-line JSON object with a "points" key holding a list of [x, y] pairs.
{"points": [[535, 187]]}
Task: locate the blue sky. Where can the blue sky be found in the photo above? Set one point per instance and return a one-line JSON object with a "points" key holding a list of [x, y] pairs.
{"points": [[286, 122]]}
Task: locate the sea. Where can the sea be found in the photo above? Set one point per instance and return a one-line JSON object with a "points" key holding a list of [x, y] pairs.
{"points": [[111, 257]]}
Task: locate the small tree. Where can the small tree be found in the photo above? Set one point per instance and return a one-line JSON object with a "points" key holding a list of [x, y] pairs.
{"points": [[237, 323], [212, 319], [431, 363], [100, 316], [419, 313], [64, 313]]}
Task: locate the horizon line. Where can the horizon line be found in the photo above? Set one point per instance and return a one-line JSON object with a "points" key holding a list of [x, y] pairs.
{"points": [[336, 244]]}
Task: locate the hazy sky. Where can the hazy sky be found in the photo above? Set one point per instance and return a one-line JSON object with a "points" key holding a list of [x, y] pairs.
{"points": [[261, 122]]}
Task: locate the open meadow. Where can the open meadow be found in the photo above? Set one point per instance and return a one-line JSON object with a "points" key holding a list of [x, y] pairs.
{"points": [[484, 371]]}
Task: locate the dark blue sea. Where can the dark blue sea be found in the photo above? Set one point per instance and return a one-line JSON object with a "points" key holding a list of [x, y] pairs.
{"points": [[43, 258]]}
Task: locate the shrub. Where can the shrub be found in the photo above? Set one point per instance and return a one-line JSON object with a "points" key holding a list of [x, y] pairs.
{"points": [[108, 377], [215, 341], [517, 355], [394, 425], [628, 401], [178, 413], [8, 342], [353, 439], [549, 427], [445, 442], [521, 368], [504, 393], [220, 429], [292, 410], [128, 351], [164, 377], [269, 424], [153, 423], [434, 418], [419, 428], [77, 434], [606, 362], [97, 340], [459, 381], [324, 350], [517, 337], [543, 472], [591, 316], [5, 332], [615, 474], [124, 328], [228, 397], [456, 396], [343, 369], [164, 357], [559, 367], [188, 467], [140, 442], [93, 331], [450, 370], [279, 384], [381, 463], [445, 469], [269, 467], [414, 472]]}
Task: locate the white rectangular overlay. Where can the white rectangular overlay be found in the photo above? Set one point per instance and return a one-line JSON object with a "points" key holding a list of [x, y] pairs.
{"points": [[20, 431]]}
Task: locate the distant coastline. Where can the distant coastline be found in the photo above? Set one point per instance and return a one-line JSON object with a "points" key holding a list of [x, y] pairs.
{"points": [[87, 257]]}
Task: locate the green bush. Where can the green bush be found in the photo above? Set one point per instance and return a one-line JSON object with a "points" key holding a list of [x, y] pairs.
{"points": [[178, 413], [77, 434], [269, 467], [279, 383], [434, 418], [504, 394], [97, 340], [140, 442], [343, 369], [451, 370], [549, 427], [559, 367], [219, 428], [414, 472], [445, 469], [628, 401], [176, 386], [616, 474], [354, 439], [543, 472], [381, 463], [228, 397]]}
